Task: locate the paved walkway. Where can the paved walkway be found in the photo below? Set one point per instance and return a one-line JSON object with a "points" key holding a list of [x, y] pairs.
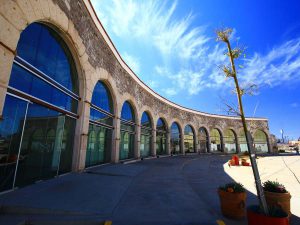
{"points": [[172, 190]]}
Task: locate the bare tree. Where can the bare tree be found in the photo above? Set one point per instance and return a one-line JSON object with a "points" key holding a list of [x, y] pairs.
{"points": [[224, 35]]}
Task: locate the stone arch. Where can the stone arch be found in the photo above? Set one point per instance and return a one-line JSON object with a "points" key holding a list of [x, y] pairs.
{"points": [[128, 98], [147, 109]]}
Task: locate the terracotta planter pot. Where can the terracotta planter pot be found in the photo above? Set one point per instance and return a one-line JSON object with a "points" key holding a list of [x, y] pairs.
{"points": [[281, 200], [256, 218], [233, 204]]}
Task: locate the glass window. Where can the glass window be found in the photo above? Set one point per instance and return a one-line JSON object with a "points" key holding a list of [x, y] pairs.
{"points": [[203, 139], [146, 135], [229, 141], [102, 98], [127, 132], [175, 138], [189, 139], [161, 137], [40, 46], [215, 140], [260, 142]]}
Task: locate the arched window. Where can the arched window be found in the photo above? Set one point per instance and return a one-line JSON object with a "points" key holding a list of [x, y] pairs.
{"points": [[189, 139], [243, 141], [101, 122], [43, 73], [161, 137], [146, 135], [260, 142], [203, 139], [175, 139], [215, 141], [229, 141], [127, 132]]}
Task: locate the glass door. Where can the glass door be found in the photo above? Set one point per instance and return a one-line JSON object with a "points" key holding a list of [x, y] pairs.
{"points": [[11, 134]]}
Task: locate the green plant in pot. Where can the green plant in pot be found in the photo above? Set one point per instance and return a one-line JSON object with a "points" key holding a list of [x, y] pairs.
{"points": [[233, 200], [277, 196]]}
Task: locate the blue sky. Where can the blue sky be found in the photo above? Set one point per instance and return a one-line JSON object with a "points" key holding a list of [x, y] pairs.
{"points": [[171, 46]]}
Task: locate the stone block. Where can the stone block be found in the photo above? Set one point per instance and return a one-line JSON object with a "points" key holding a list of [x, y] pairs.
{"points": [[6, 61], [12, 12], [27, 9], [9, 35], [37, 9]]}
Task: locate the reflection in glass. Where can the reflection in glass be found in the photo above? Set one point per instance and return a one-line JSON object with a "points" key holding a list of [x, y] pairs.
{"points": [[126, 150], [203, 139], [260, 142], [175, 139], [146, 135], [243, 142], [11, 127], [189, 139], [161, 137], [100, 128], [215, 140], [229, 141]]}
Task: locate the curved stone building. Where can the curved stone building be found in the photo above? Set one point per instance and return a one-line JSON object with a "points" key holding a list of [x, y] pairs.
{"points": [[68, 100]]}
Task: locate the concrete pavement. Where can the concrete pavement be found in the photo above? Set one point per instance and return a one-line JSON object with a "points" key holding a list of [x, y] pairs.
{"points": [[171, 190]]}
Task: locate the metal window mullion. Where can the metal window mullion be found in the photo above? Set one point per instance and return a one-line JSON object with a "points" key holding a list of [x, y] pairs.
{"points": [[20, 146], [101, 110], [101, 124], [47, 79]]}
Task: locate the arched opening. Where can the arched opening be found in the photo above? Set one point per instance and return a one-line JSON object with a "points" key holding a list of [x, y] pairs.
{"points": [[203, 140], [260, 142], [100, 126], [230, 141], [215, 141], [146, 135], [175, 138], [161, 137], [189, 139], [127, 132], [42, 95], [243, 141]]}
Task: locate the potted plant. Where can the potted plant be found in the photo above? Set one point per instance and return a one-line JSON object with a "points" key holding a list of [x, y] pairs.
{"points": [[276, 216], [276, 195], [232, 199]]}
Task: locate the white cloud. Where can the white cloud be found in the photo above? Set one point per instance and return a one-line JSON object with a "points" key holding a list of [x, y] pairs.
{"points": [[132, 62], [189, 62]]}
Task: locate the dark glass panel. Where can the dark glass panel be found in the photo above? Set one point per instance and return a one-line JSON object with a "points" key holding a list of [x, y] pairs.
{"points": [[161, 125], [229, 141], [127, 112], [145, 145], [126, 146], [99, 145], [10, 137], [44, 49], [189, 139], [161, 143], [24, 81], [146, 122], [127, 127], [100, 117], [102, 98], [175, 138], [203, 139], [260, 142], [215, 140]]}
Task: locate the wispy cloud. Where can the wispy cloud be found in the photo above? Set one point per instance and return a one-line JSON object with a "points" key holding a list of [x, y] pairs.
{"points": [[189, 57], [133, 62]]}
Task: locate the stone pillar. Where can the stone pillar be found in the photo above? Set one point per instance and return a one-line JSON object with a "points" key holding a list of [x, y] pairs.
{"points": [[116, 137], [6, 61], [182, 150], [196, 144], [237, 143], [137, 141], [168, 141], [81, 137], [153, 143]]}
